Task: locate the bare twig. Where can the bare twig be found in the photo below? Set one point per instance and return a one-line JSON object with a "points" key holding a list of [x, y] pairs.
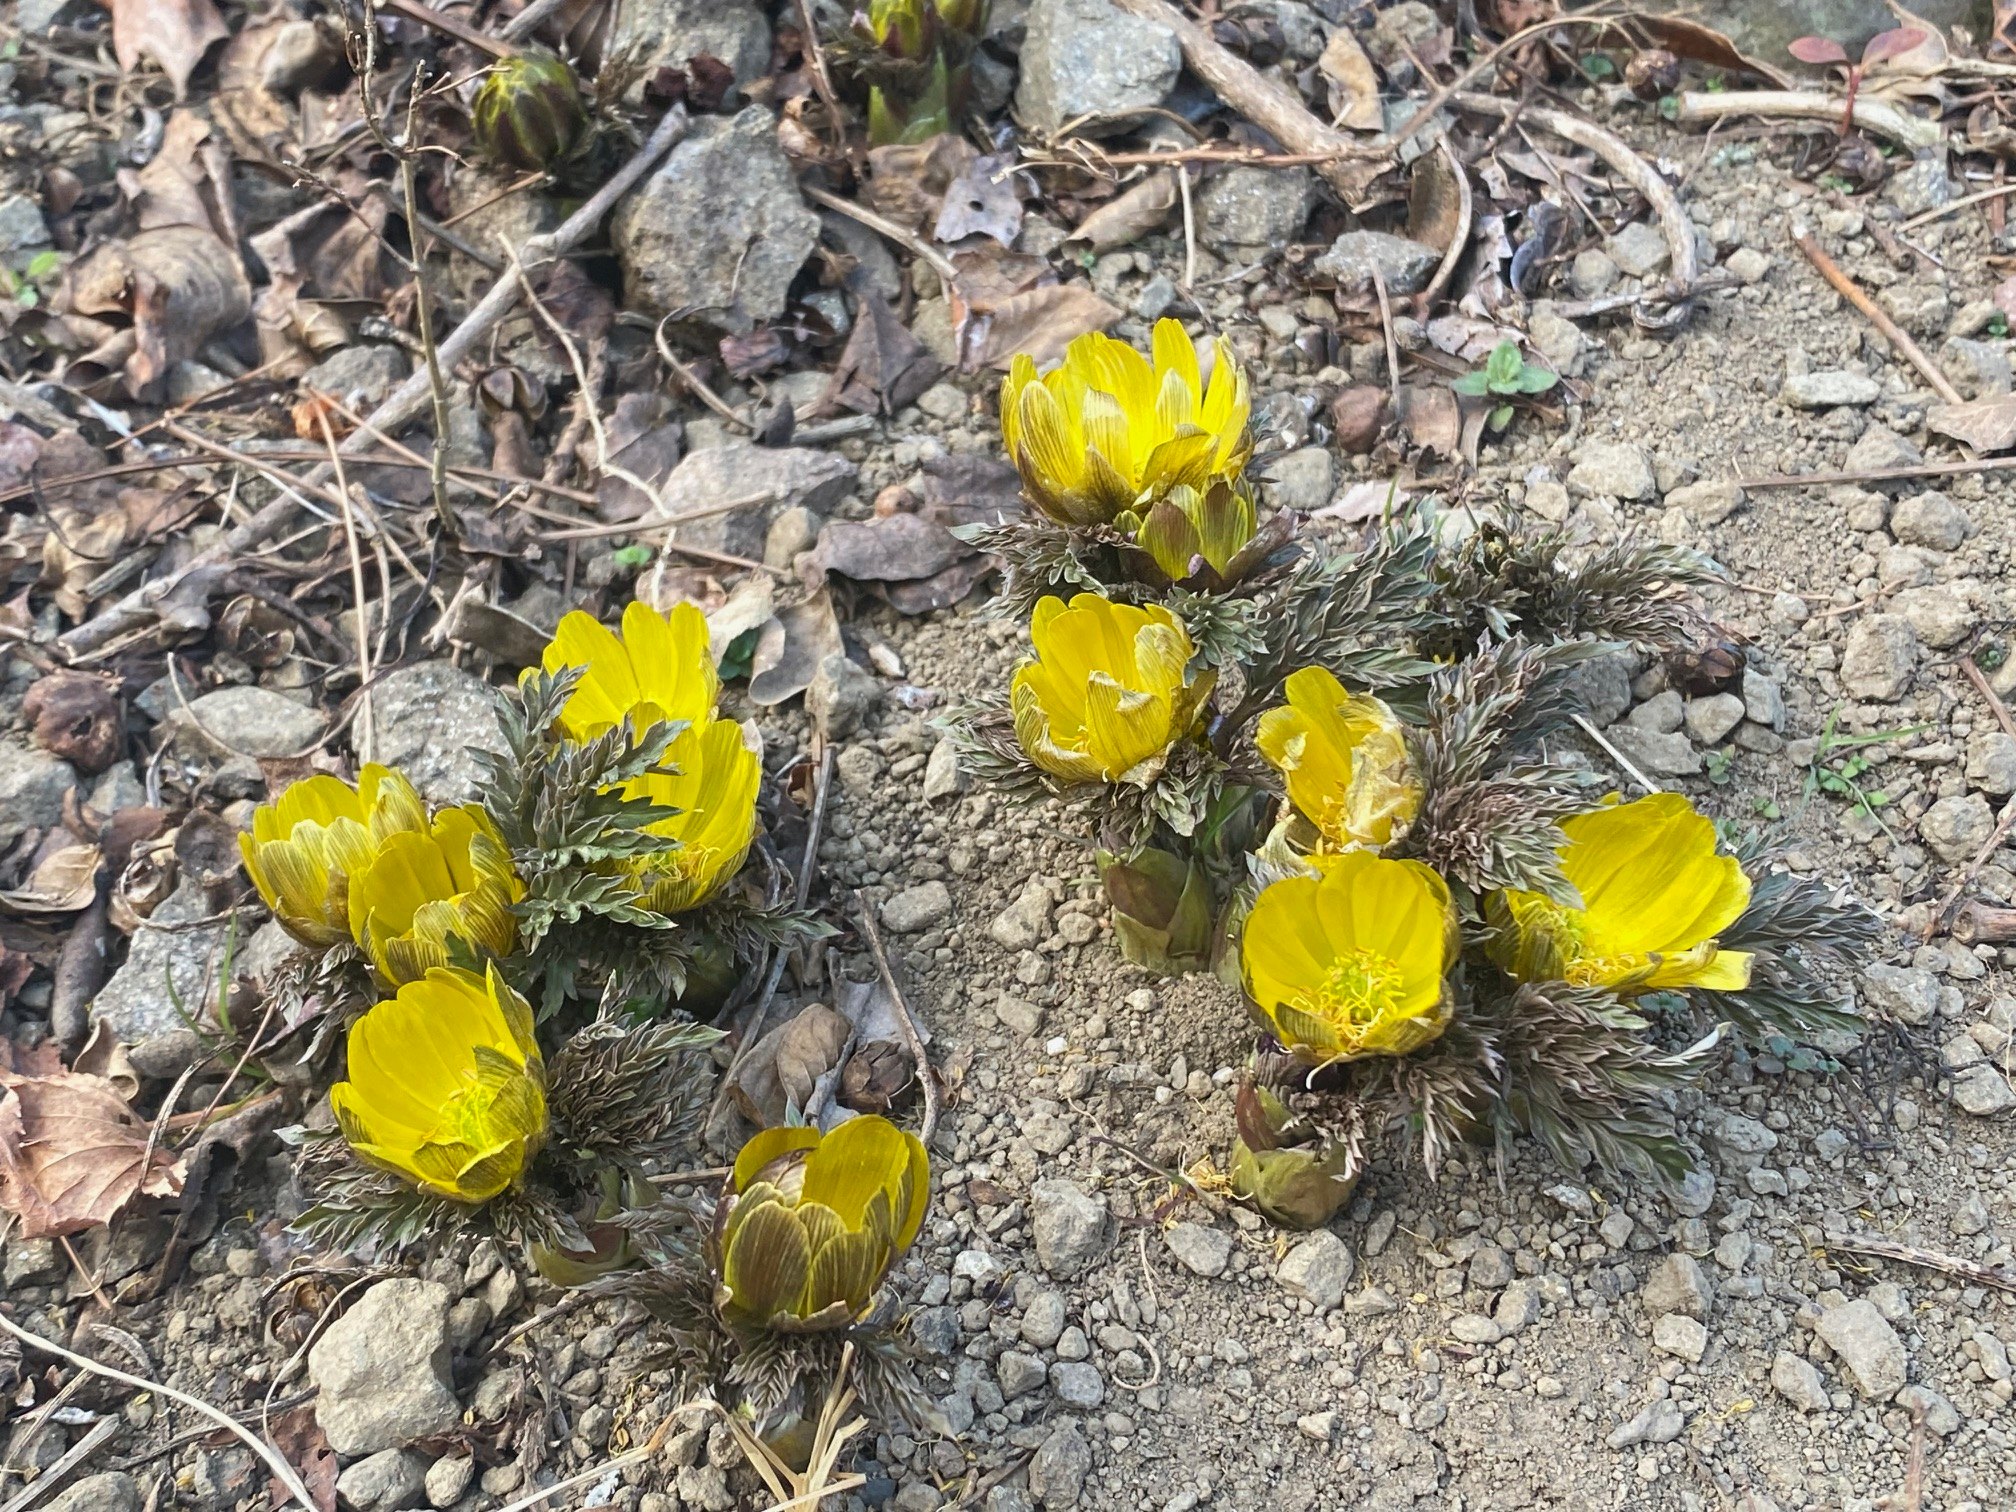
{"points": [[696, 385], [1994, 700], [52, 1479], [2000, 1277], [1980, 922], [1871, 114], [137, 608], [926, 1077], [276, 1462], [449, 26], [903, 236], [366, 727], [822, 78], [1616, 755], [1877, 316], [520, 26], [1940, 212], [1674, 222], [1347, 166], [1392, 342], [1479, 65]]}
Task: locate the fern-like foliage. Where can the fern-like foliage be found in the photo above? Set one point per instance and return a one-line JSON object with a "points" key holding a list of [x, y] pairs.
{"points": [[1040, 557], [1436, 1098], [1798, 934], [1580, 1075], [1491, 810], [626, 1094], [1225, 630]]}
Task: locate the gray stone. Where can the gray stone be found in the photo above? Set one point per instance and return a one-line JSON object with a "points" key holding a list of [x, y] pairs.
{"points": [[1867, 1345], [361, 376], [245, 721], [1639, 250], [1018, 1015], [1057, 1473], [841, 695], [670, 33], [1660, 1422], [1983, 1092], [26, 1262], [1827, 389], [1979, 369], [1709, 720], [165, 966], [1077, 1384], [783, 477], [110, 1492], [943, 776], [1300, 480], [1707, 502], [1043, 1319], [1405, 265], [1762, 702], [1879, 447], [1019, 1374], [1243, 209], [1671, 755], [1921, 185], [382, 1370], [1559, 340], [1518, 1306], [1203, 1250], [1025, 923], [1083, 57], [1318, 1269], [434, 722], [1678, 1285], [1740, 1140], [387, 1481], [1593, 272], [1748, 264], [1695, 1194], [1612, 469], [1603, 685], [1972, 1216], [1954, 829], [1991, 763], [1475, 1328], [1939, 613], [24, 230], [1881, 655], [1906, 992], [1939, 1414], [719, 229], [794, 529], [32, 786], [448, 1480], [1930, 521], [1798, 1382], [1764, 28], [1069, 1225], [1680, 1336], [916, 909], [1664, 713]]}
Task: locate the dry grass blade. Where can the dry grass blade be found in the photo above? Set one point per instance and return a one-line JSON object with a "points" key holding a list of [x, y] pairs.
{"points": [[802, 1490]]}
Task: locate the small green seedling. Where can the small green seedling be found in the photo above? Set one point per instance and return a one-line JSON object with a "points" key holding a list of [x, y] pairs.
{"points": [[632, 558], [1506, 374], [1839, 765]]}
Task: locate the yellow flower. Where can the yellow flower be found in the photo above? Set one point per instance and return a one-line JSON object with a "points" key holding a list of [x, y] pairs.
{"points": [[1654, 896], [1109, 691], [307, 844], [1350, 962], [454, 878], [1105, 430], [1345, 760], [714, 788], [446, 1086], [812, 1223], [658, 668]]}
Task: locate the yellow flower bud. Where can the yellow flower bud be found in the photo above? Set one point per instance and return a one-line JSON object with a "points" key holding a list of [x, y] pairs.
{"points": [[659, 668], [811, 1223], [446, 1089], [1293, 1172], [1350, 962], [1105, 431], [1109, 691], [1345, 761], [308, 843], [1655, 894]]}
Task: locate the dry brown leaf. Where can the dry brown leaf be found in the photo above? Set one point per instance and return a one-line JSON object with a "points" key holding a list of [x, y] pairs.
{"points": [[790, 648], [982, 201], [63, 881], [1428, 413], [1987, 425], [72, 1154], [1354, 84], [76, 716], [884, 366], [1132, 214], [104, 1055], [1042, 322], [174, 33], [782, 1069], [907, 181]]}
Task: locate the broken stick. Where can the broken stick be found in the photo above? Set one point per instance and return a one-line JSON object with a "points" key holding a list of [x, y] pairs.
{"points": [[1900, 341]]}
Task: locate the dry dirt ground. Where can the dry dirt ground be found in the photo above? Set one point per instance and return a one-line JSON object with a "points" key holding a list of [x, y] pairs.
{"points": [[1510, 1338]]}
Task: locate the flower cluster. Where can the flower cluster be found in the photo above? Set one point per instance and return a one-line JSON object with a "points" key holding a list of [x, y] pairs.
{"points": [[1327, 778]]}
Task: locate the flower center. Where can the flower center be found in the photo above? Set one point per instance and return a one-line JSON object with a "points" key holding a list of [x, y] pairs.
{"points": [[1360, 990], [1579, 965]]}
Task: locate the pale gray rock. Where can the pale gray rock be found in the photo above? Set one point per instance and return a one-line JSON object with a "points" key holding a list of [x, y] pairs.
{"points": [[362, 376], [1939, 614], [1019, 1374], [448, 1480], [1940, 1415], [783, 477], [1677, 1284], [1318, 1269], [434, 722], [1639, 250], [1991, 763], [1867, 1345], [1879, 447], [1979, 369], [1205, 1251], [1077, 1384], [1709, 720], [1057, 1473], [1659, 1422], [1707, 502], [1798, 1382], [1909, 994], [1983, 1092], [719, 229], [382, 1370], [943, 776], [1025, 923], [1881, 655], [841, 695], [247, 721], [387, 1481], [1612, 469], [1662, 714], [110, 1492], [1656, 755], [166, 965], [1828, 389], [32, 785], [1404, 265], [1300, 480], [1244, 210], [916, 909], [1954, 829], [1069, 1225], [670, 33], [1681, 1336], [1090, 57]]}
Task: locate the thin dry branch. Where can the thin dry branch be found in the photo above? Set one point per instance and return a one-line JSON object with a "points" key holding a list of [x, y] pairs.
{"points": [[1899, 339], [1345, 165], [926, 1077], [1878, 116]]}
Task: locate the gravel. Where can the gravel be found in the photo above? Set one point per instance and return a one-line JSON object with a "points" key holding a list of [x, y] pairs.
{"points": [[916, 909], [1797, 1381], [1318, 1269]]}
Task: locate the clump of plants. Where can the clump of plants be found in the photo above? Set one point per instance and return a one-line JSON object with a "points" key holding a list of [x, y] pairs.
{"points": [[1335, 776], [521, 986]]}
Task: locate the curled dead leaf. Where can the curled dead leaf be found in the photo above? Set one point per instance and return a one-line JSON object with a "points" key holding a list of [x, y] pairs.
{"points": [[63, 881], [74, 715], [73, 1154], [1354, 84], [1987, 425], [174, 33], [180, 285], [1042, 322], [782, 1069], [1131, 214]]}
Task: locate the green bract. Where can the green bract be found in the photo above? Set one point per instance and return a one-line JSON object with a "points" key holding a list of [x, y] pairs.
{"points": [[528, 113]]}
